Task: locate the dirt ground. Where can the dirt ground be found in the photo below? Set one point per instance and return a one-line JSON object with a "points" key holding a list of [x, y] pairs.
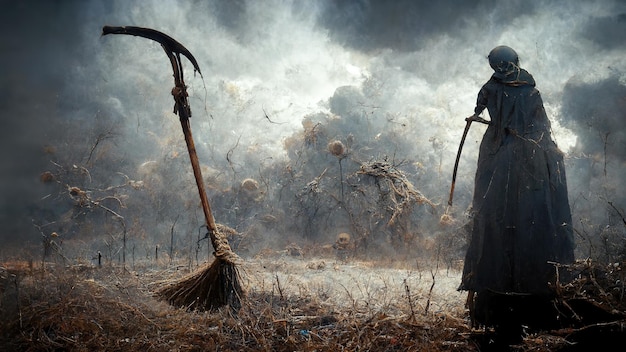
{"points": [[293, 303]]}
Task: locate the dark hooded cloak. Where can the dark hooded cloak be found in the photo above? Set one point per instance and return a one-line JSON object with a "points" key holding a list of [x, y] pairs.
{"points": [[521, 217]]}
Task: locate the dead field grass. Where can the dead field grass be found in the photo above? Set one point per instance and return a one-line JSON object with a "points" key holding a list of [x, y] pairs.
{"points": [[292, 304]]}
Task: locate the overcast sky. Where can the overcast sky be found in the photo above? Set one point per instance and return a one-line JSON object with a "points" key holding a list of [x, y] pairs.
{"points": [[418, 63]]}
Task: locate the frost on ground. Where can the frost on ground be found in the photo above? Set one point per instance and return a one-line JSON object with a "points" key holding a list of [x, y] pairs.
{"points": [[358, 285]]}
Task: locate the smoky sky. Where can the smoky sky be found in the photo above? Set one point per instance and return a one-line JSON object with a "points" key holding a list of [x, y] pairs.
{"points": [[595, 117], [405, 25], [607, 32], [411, 67]]}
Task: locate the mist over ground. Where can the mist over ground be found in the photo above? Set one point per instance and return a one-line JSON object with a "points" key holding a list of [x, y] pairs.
{"points": [[392, 81]]}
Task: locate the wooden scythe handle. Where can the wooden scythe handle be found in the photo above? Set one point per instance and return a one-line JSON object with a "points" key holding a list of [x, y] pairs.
{"points": [[469, 120], [174, 49], [458, 157]]}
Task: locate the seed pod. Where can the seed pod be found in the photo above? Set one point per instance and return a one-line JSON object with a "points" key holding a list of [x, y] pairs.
{"points": [[250, 185], [336, 148]]}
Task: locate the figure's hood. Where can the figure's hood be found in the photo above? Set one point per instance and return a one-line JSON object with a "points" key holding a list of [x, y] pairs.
{"points": [[516, 78]]}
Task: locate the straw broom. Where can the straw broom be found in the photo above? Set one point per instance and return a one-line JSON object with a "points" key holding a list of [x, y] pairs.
{"points": [[218, 284]]}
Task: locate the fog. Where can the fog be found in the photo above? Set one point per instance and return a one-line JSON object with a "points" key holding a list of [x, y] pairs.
{"points": [[392, 80]]}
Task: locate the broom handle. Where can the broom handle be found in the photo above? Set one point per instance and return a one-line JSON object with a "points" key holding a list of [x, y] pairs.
{"points": [[195, 164], [179, 92], [173, 50], [220, 245]]}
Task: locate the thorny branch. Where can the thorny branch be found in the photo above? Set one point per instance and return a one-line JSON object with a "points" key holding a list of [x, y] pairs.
{"points": [[404, 193], [229, 154], [101, 137], [618, 212], [49, 243], [268, 118]]}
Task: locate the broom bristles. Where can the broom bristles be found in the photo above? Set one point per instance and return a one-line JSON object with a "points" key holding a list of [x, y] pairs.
{"points": [[217, 285]]}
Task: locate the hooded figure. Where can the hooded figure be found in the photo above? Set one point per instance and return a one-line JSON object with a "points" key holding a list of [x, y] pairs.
{"points": [[521, 218]]}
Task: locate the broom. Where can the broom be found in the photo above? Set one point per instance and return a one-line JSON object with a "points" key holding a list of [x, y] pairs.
{"points": [[218, 284]]}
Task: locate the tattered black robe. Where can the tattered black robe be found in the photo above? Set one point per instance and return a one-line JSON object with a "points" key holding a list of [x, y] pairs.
{"points": [[521, 214]]}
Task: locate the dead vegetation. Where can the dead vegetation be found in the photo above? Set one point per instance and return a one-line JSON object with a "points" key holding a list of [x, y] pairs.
{"points": [[403, 194], [290, 306], [84, 308]]}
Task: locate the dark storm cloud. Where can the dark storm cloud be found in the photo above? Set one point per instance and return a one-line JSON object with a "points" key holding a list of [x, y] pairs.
{"points": [[596, 110], [229, 14], [404, 25], [608, 32], [31, 42]]}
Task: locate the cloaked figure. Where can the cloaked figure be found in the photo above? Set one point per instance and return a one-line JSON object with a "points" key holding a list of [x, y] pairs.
{"points": [[520, 217]]}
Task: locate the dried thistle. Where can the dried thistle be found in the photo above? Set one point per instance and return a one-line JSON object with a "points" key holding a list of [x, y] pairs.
{"points": [[250, 185], [47, 177], [336, 148]]}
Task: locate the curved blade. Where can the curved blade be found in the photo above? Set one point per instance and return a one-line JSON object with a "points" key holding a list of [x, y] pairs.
{"points": [[169, 44]]}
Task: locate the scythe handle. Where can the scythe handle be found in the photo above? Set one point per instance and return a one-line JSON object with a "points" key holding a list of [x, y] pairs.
{"points": [[174, 49], [458, 157], [458, 154]]}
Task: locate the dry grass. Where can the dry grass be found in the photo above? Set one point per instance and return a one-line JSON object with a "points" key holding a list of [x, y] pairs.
{"points": [[291, 305]]}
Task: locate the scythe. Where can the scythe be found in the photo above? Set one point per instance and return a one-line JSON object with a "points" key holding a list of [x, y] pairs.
{"points": [[458, 154], [218, 284]]}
